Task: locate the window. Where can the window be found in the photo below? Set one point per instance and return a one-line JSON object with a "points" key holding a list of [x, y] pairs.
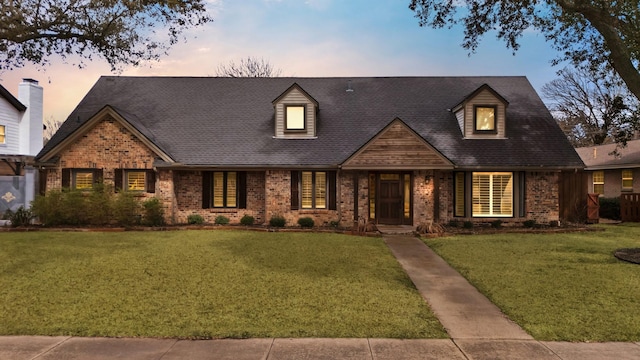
{"points": [[485, 119], [295, 117], [598, 182], [492, 194], [82, 180], [2, 134], [313, 190], [224, 189], [140, 180], [627, 180]]}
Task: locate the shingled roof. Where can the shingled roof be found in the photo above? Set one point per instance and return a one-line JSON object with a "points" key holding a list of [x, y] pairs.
{"points": [[611, 156], [230, 121]]}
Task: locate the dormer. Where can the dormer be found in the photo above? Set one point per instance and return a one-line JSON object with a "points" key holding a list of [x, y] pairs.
{"points": [[482, 114], [295, 114]]}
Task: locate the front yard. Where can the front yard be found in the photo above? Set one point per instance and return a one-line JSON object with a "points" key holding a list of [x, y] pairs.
{"points": [[206, 284], [556, 286]]}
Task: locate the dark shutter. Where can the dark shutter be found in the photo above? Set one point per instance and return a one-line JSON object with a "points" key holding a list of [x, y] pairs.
{"points": [[117, 179], [66, 178], [331, 181], [97, 176], [242, 189], [295, 194], [151, 181], [207, 185]]}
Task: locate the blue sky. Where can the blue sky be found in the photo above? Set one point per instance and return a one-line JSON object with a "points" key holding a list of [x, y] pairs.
{"points": [[312, 38]]}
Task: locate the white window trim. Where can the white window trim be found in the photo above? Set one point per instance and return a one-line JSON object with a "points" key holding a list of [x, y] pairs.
{"points": [[491, 195]]}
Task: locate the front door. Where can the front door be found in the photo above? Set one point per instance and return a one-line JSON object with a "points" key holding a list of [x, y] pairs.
{"points": [[390, 199]]}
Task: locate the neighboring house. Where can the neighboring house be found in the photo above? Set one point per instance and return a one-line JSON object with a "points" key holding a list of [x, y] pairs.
{"points": [[396, 150], [612, 174], [20, 141]]}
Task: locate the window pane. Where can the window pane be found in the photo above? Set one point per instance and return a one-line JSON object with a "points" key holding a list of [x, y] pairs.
{"points": [[321, 190], [84, 180], [218, 189], [295, 117], [407, 196], [231, 189], [2, 134], [598, 182], [372, 195], [485, 118], [492, 194], [502, 190], [307, 190], [627, 179], [481, 194], [136, 180], [459, 193]]}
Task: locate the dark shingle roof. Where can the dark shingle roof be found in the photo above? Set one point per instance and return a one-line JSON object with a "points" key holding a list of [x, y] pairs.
{"points": [[230, 121], [11, 99]]}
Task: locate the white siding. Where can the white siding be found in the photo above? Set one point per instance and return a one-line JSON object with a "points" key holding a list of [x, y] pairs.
{"points": [[10, 118], [295, 97], [485, 97]]}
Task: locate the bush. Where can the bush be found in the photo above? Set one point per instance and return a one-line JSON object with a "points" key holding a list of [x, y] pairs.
{"points": [[49, 208], [22, 217], [247, 220], [100, 205], [454, 223], [496, 224], [195, 219], [221, 220], [529, 223], [153, 212], [277, 221], [610, 208], [126, 209], [467, 225], [334, 224], [306, 222]]}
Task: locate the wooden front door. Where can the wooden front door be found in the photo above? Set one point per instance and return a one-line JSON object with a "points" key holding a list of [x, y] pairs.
{"points": [[390, 201]]}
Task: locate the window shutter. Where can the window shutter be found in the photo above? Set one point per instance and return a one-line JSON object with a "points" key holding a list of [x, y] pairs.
{"points": [[117, 179], [66, 178], [151, 181], [242, 190], [97, 176], [332, 189], [295, 193], [207, 184]]}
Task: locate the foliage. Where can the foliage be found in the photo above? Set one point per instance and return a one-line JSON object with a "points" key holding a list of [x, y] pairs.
{"points": [[99, 203], [195, 219], [48, 208], [151, 284], [221, 220], [249, 67], [334, 224], [153, 212], [496, 224], [51, 126], [610, 208], [306, 222], [120, 31], [454, 223], [592, 109], [247, 220], [557, 286], [277, 221], [126, 209], [587, 33], [529, 223], [21, 217], [467, 225]]}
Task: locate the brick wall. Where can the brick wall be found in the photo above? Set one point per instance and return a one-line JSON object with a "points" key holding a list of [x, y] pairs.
{"points": [[542, 201]]}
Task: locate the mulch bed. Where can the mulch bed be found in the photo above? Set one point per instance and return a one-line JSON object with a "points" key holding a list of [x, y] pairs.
{"points": [[631, 255]]}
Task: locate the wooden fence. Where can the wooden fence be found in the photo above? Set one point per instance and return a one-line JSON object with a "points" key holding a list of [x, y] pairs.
{"points": [[630, 207]]}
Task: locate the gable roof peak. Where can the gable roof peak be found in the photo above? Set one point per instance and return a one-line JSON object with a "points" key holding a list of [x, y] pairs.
{"points": [[299, 88]]}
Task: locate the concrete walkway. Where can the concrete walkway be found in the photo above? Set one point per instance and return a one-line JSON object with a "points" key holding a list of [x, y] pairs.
{"points": [[477, 328]]}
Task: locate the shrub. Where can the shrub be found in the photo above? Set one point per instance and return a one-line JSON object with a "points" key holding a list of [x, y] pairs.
{"points": [[306, 222], [334, 224], [126, 209], [496, 224], [99, 204], [22, 217], [153, 212], [610, 208], [247, 220], [467, 225], [277, 221], [7, 214], [195, 219], [221, 220], [529, 223], [75, 209], [48, 208], [454, 223]]}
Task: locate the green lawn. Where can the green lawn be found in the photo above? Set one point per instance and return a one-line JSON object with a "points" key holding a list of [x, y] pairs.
{"points": [[206, 284], [556, 286]]}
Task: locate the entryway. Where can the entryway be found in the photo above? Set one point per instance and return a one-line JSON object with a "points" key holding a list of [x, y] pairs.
{"points": [[392, 200]]}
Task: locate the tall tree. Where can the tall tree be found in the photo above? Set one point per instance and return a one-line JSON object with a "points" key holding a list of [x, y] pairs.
{"points": [[249, 67], [120, 31], [588, 33], [591, 109]]}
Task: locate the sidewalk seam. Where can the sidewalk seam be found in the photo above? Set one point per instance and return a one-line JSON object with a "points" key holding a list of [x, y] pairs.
{"points": [[273, 340], [169, 349], [459, 348], [370, 349], [51, 348]]}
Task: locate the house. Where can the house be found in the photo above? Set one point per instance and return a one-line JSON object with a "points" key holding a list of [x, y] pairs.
{"points": [[610, 173], [20, 141], [389, 150]]}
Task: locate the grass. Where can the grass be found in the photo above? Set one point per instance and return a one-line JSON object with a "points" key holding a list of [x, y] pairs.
{"points": [[206, 284], [565, 287]]}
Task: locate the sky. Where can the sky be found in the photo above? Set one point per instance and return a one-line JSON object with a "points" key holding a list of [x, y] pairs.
{"points": [[307, 38]]}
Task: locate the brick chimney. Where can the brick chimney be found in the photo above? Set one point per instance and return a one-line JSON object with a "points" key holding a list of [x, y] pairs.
{"points": [[31, 95]]}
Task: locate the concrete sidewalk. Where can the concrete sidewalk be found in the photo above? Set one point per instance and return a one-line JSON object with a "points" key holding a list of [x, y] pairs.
{"points": [[478, 330]]}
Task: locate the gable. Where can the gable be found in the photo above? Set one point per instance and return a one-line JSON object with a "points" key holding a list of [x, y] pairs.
{"points": [[295, 96], [111, 136], [484, 96], [397, 147]]}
